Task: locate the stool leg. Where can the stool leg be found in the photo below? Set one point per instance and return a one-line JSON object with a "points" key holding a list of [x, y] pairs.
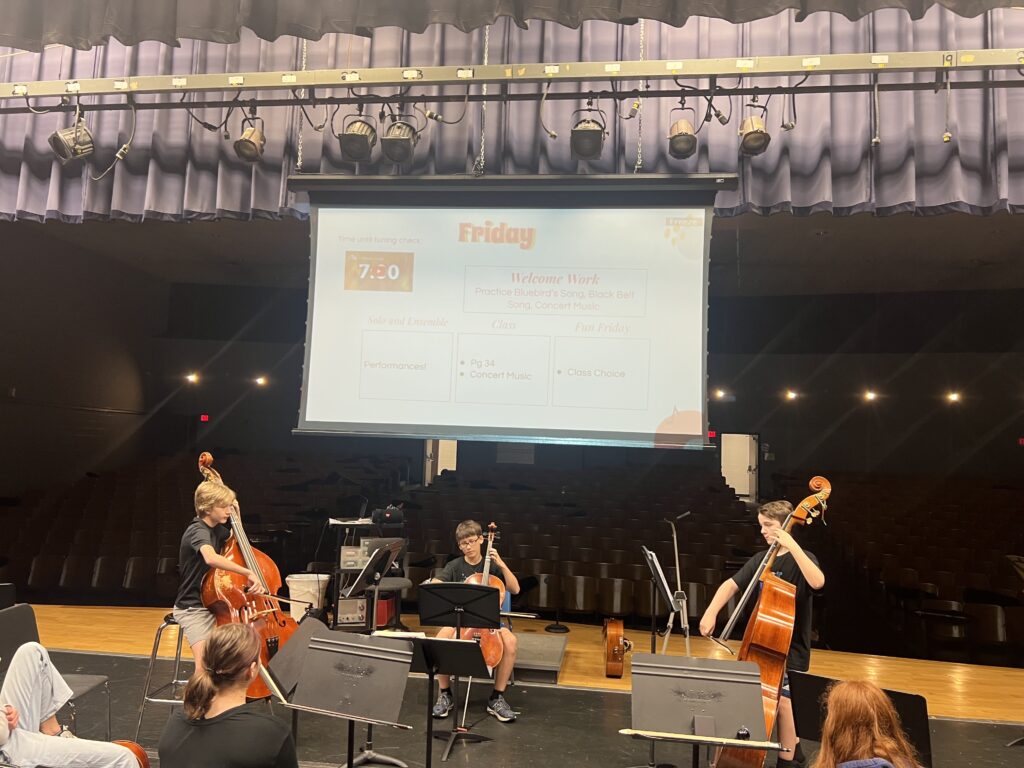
{"points": [[149, 677], [177, 658], [106, 689]]}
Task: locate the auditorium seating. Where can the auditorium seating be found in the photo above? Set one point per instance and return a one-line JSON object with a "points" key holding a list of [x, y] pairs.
{"points": [[113, 538], [926, 557]]}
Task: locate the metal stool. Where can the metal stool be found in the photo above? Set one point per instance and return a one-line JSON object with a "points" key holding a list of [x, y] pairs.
{"points": [[153, 696]]}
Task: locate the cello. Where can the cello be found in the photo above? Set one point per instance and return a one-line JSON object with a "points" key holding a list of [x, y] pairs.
{"points": [[491, 644], [135, 749], [769, 630], [224, 593]]}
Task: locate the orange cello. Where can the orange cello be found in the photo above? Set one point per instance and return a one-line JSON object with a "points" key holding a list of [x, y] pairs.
{"points": [[135, 749], [491, 644], [770, 627], [224, 593]]}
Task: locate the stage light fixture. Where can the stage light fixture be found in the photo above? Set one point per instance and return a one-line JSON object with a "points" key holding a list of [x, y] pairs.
{"points": [[791, 394], [73, 141], [870, 395], [260, 381], [192, 378], [400, 139], [398, 143], [587, 136], [682, 139], [754, 137], [953, 397], [682, 142], [357, 138], [250, 144], [720, 394]]}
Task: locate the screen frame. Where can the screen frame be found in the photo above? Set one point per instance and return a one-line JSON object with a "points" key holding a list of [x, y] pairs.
{"points": [[661, 191]]}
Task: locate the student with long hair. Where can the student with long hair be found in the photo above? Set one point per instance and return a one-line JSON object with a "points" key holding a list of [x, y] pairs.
{"points": [[216, 727], [863, 730]]}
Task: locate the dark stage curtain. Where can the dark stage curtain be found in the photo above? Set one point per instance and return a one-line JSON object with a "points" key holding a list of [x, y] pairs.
{"points": [[33, 24]]}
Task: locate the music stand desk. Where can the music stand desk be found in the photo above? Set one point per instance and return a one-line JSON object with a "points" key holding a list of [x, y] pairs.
{"points": [[701, 741], [446, 656]]}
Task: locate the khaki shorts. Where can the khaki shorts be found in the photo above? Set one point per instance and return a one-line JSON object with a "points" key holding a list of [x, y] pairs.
{"points": [[197, 623]]}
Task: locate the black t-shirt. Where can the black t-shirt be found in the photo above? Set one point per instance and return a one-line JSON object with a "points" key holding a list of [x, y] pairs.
{"points": [[459, 570], [191, 565], [785, 567], [243, 737]]}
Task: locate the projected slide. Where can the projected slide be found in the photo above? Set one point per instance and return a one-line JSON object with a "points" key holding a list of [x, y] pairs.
{"points": [[580, 325]]}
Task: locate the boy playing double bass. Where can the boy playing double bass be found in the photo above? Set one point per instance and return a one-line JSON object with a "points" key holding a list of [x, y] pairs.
{"points": [[799, 568]]}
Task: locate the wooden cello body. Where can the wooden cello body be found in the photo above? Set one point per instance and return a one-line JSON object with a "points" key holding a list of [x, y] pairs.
{"points": [[491, 645], [616, 646], [225, 596], [769, 631], [135, 749]]}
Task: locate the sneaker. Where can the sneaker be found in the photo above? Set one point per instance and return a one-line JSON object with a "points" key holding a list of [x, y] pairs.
{"points": [[501, 710], [65, 733], [444, 704]]}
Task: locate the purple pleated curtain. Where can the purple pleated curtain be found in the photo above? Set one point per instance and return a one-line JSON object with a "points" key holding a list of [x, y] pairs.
{"points": [[178, 170]]}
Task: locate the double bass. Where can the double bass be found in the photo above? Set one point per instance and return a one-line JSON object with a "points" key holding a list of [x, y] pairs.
{"points": [[769, 630], [491, 644], [225, 596], [616, 646]]}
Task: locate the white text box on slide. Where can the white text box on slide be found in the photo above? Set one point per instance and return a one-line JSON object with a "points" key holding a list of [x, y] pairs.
{"points": [[602, 373], [546, 291], [503, 370], [406, 365]]}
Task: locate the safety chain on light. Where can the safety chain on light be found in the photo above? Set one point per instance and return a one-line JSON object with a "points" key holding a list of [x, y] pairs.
{"points": [[298, 113], [481, 160], [640, 113]]}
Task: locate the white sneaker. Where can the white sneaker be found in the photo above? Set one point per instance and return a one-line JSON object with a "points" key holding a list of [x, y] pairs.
{"points": [[65, 733]]}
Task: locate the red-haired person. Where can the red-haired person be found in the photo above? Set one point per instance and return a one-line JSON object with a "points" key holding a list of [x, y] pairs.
{"points": [[863, 730]]}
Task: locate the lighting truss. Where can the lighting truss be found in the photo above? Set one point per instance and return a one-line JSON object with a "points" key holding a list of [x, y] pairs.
{"points": [[510, 75]]}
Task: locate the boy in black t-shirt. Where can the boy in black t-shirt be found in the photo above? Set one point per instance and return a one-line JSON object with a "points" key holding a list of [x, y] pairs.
{"points": [[799, 568], [200, 549], [469, 536]]}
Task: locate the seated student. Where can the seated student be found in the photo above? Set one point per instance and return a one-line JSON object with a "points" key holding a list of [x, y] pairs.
{"points": [[862, 730], [30, 735], [468, 534], [216, 727]]}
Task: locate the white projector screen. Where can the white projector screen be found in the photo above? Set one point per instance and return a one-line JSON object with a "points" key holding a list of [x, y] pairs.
{"points": [[532, 324]]}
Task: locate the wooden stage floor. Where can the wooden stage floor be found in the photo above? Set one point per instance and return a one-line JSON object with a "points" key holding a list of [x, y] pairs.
{"points": [[960, 691]]}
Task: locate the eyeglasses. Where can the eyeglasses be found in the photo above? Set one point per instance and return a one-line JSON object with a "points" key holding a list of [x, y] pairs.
{"points": [[470, 541]]}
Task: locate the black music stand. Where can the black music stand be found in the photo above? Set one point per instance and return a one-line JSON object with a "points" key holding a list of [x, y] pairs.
{"points": [[357, 678], [659, 588], [462, 606], [809, 709], [701, 702], [368, 580], [434, 656]]}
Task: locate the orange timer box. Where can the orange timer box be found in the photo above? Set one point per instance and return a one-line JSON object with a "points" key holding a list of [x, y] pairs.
{"points": [[378, 271]]}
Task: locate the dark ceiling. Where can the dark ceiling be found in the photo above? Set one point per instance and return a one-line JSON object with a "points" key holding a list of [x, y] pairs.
{"points": [[750, 255]]}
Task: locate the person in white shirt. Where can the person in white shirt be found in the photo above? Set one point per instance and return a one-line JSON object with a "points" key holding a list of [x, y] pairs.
{"points": [[30, 735]]}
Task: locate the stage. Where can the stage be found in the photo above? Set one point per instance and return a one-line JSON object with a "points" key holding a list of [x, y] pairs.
{"points": [[957, 691]]}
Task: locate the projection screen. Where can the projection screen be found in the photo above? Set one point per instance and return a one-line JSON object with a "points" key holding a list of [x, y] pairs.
{"points": [[520, 309]]}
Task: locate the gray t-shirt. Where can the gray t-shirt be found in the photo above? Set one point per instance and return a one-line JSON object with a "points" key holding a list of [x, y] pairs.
{"points": [[191, 565]]}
